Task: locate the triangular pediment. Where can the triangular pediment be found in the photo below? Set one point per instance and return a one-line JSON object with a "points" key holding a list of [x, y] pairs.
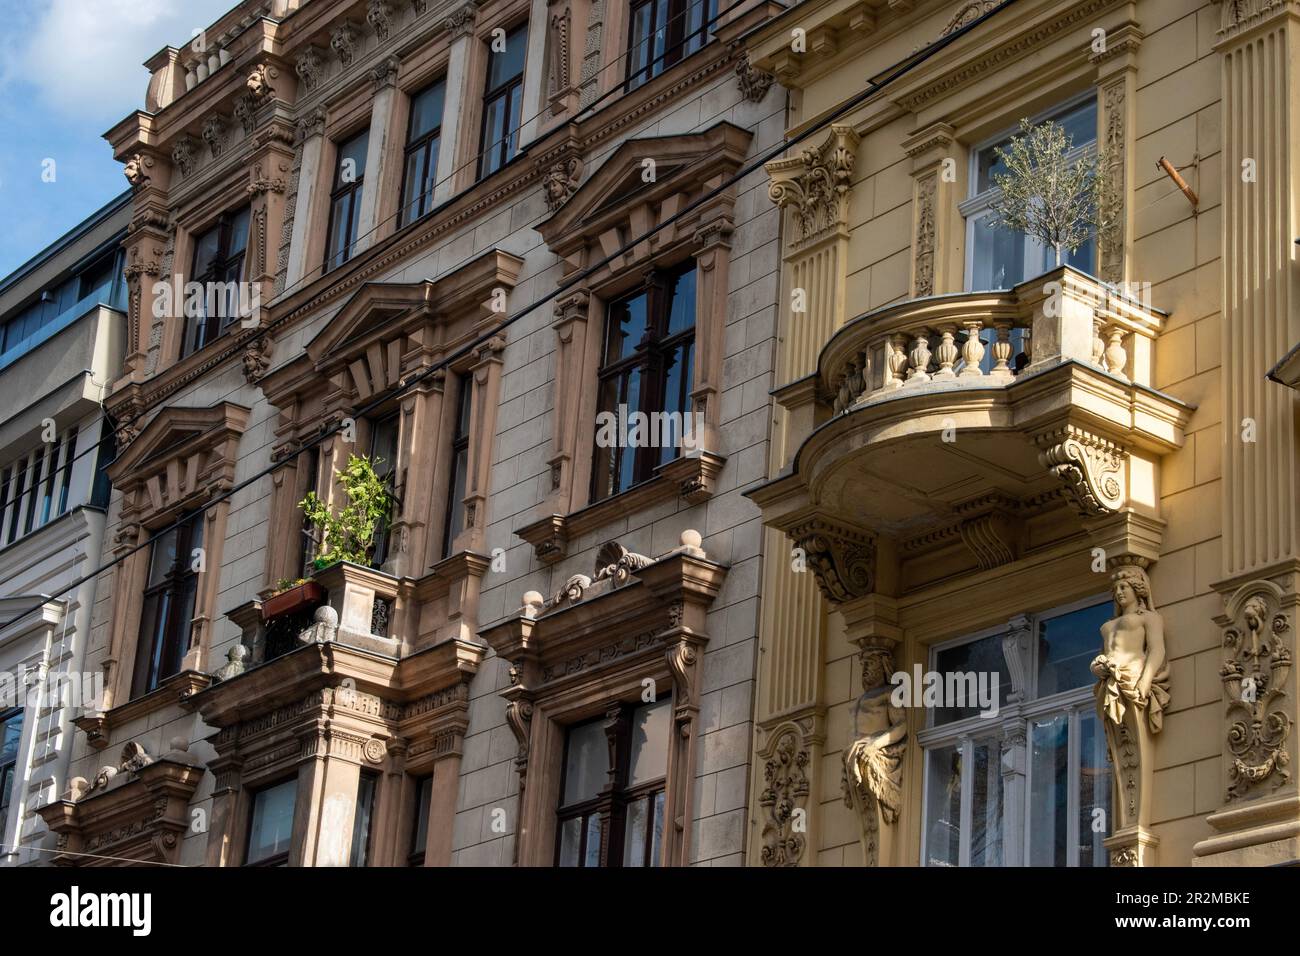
{"points": [[683, 165], [374, 307], [174, 432]]}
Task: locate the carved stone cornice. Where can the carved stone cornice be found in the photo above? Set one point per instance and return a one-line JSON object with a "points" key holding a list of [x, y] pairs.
{"points": [[1240, 16], [843, 559], [460, 22], [814, 185], [1090, 467]]}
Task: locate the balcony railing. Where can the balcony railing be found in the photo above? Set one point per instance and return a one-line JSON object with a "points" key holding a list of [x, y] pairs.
{"points": [[989, 339]]}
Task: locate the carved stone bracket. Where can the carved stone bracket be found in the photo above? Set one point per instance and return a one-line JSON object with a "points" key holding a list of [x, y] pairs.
{"points": [[753, 83], [1090, 467], [842, 559]]}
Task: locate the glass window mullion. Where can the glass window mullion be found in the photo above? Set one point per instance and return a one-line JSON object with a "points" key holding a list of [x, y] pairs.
{"points": [[967, 799], [1072, 794]]}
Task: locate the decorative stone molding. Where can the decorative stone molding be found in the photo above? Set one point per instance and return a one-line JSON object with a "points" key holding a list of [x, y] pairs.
{"points": [[843, 559], [257, 357], [1237, 16], [259, 83], [136, 170], [1090, 467], [786, 763], [215, 134], [185, 154], [560, 181], [567, 656], [1112, 239], [1257, 662], [310, 67], [1132, 692], [872, 771], [752, 82], [343, 41], [385, 74], [967, 14], [559, 58], [313, 124], [814, 186], [927, 189], [379, 14], [461, 22]]}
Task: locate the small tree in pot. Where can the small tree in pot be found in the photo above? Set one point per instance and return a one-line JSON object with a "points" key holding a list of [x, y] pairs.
{"points": [[350, 534], [1048, 196]]}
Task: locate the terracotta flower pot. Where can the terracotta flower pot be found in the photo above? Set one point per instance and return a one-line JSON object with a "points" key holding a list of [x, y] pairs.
{"points": [[293, 600]]}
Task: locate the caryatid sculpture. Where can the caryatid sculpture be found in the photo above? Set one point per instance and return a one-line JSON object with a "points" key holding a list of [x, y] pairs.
{"points": [[1132, 693], [873, 763]]}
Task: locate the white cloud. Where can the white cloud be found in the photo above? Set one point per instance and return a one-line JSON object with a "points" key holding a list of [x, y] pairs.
{"points": [[84, 56]]}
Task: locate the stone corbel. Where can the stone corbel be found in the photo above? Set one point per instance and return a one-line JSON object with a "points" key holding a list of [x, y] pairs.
{"points": [[1091, 468], [843, 559]]}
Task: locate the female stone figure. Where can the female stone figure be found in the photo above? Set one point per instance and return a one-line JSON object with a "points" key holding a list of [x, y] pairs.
{"points": [[1132, 669], [873, 763]]}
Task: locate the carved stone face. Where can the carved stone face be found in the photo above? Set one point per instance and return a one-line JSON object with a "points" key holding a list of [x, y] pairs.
{"points": [[1254, 615], [1124, 596]]}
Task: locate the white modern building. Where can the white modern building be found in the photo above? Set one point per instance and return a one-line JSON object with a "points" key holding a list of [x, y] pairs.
{"points": [[62, 318]]}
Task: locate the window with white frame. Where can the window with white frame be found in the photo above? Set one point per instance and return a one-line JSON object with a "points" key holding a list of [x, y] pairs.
{"points": [[1030, 786], [34, 490], [1000, 258]]}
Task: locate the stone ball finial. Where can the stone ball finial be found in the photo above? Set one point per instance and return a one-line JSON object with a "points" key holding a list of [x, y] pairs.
{"points": [[180, 741], [325, 614], [533, 604], [691, 543]]}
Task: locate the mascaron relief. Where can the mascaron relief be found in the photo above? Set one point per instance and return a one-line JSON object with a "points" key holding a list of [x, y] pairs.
{"points": [[1257, 663]]}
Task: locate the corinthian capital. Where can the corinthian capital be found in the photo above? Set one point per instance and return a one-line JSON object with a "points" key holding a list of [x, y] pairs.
{"points": [[815, 184]]}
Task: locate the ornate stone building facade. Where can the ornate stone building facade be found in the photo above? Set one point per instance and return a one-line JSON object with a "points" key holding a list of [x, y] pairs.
{"points": [[390, 186], [1076, 478]]}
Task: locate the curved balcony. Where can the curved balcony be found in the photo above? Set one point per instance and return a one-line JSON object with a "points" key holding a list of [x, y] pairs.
{"points": [[975, 419]]}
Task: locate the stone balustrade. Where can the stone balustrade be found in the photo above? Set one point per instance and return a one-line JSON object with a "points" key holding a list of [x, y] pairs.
{"points": [[989, 339]]}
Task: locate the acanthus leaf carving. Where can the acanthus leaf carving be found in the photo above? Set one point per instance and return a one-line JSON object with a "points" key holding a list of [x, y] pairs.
{"points": [[785, 791], [843, 560], [814, 185], [1090, 467]]}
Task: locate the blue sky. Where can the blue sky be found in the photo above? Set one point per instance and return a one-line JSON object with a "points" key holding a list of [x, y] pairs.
{"points": [[69, 70]]}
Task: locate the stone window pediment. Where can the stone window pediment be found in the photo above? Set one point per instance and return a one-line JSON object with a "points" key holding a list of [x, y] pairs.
{"points": [[641, 184], [595, 645], [134, 812]]}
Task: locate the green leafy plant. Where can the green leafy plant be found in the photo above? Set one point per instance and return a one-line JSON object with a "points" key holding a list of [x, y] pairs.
{"points": [[286, 584], [350, 534], [1047, 195]]}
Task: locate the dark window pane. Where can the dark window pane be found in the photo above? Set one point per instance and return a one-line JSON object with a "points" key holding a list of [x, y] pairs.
{"points": [[975, 662], [1049, 776], [636, 831], [426, 111], [1066, 646], [352, 159], [627, 327], [361, 820], [424, 796], [943, 806], [650, 725], [586, 764], [509, 64], [592, 855], [570, 841], [1094, 792], [272, 821]]}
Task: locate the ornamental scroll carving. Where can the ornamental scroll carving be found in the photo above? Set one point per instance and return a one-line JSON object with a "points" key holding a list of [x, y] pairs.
{"points": [[1090, 467], [558, 58], [753, 83], [1256, 665], [927, 191], [814, 185], [785, 793], [1112, 200], [872, 775], [842, 560]]}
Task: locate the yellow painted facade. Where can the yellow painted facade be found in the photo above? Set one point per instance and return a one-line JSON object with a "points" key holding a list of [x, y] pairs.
{"points": [[912, 501]]}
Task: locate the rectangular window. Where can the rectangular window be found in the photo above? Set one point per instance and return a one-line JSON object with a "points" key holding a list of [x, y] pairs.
{"points": [[218, 267], [664, 32], [309, 461], [11, 733], [455, 522], [1000, 259], [6, 479], [34, 487], [270, 828], [503, 102], [167, 609], [383, 456], [345, 199], [362, 819], [15, 515], [102, 489], [1068, 779], [69, 460], [423, 136], [420, 825], [614, 815], [647, 367]]}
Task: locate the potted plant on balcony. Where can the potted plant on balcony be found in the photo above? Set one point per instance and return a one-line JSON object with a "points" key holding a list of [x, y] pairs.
{"points": [[350, 534], [292, 596], [1049, 196]]}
